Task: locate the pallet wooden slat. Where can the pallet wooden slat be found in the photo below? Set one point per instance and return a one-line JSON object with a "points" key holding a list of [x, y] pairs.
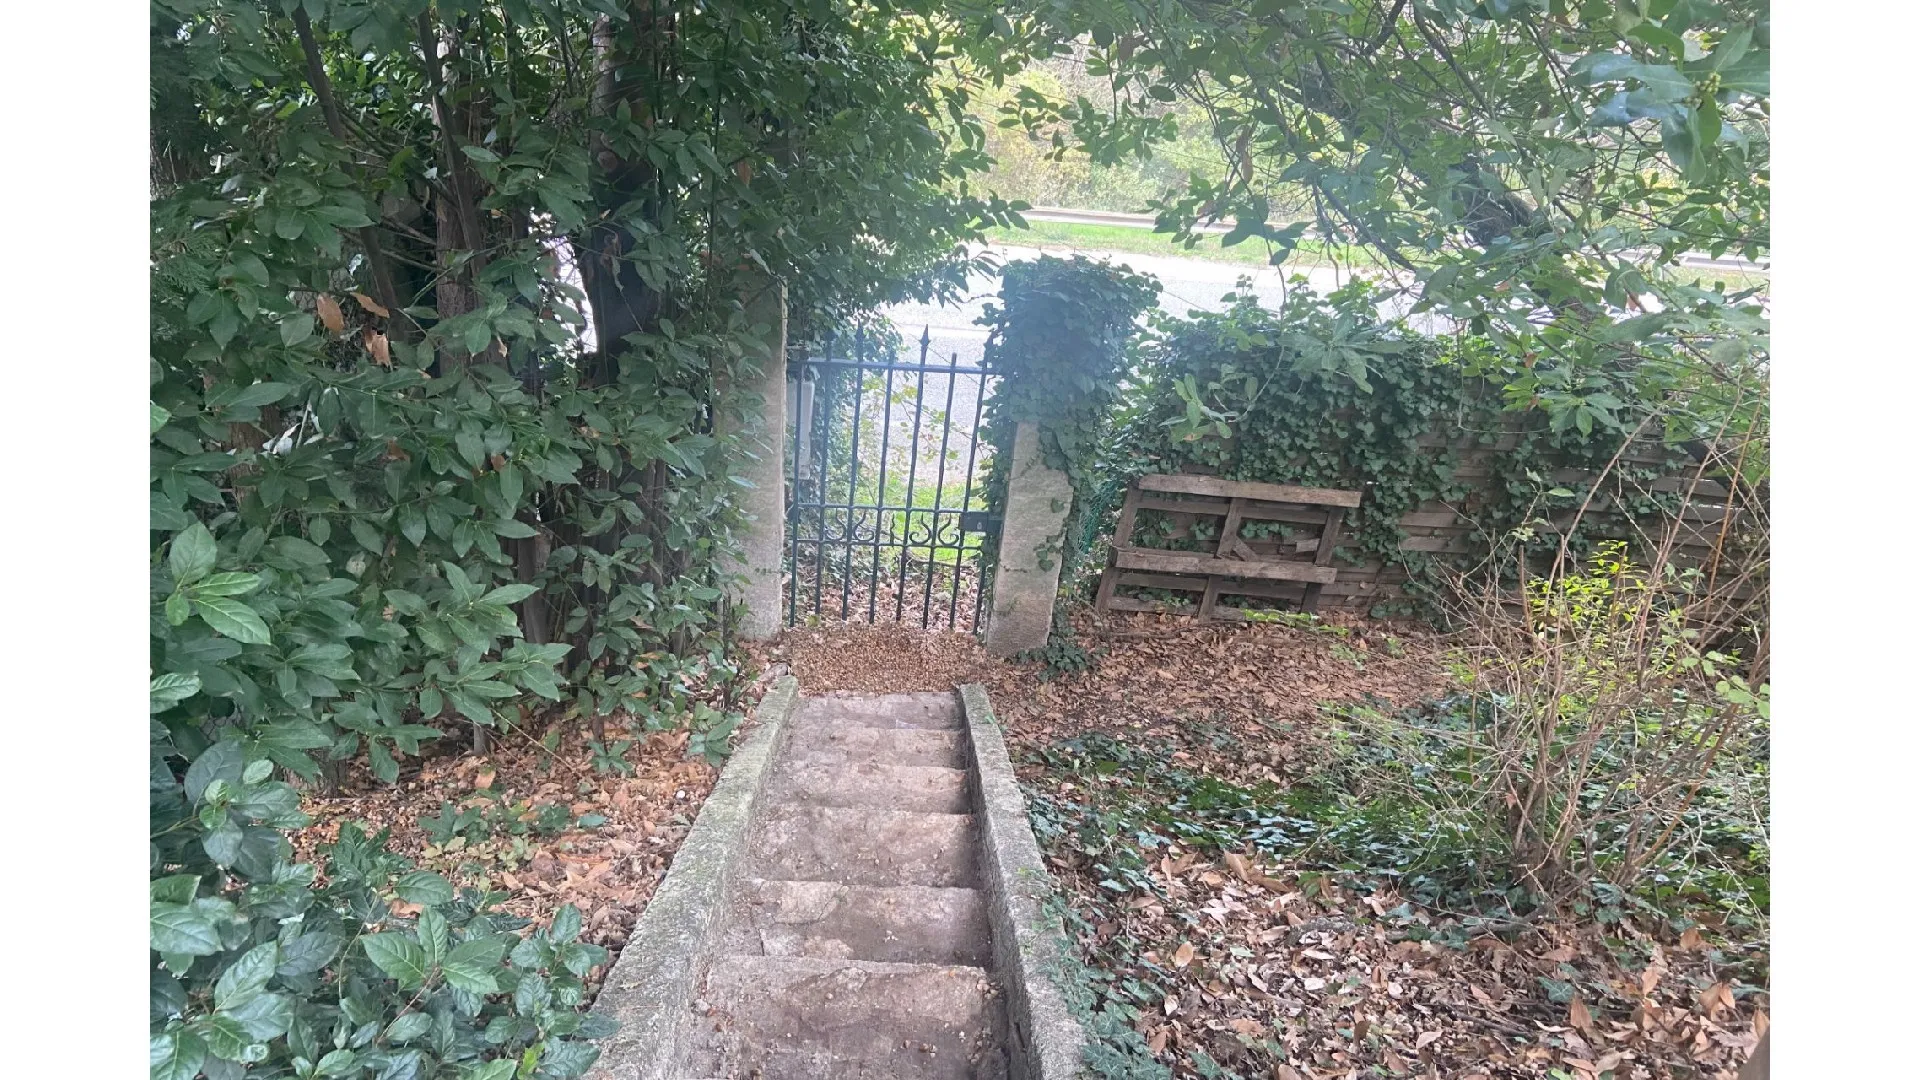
{"points": [[1183, 562], [1247, 489]]}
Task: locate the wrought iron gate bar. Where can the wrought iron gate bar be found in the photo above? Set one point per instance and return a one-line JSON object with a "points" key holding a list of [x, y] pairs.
{"points": [[953, 368], [830, 451]]}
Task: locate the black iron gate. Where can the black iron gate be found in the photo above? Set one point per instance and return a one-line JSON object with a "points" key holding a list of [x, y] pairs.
{"points": [[886, 517]]}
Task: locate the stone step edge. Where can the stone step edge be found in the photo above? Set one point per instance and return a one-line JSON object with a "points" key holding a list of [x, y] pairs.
{"points": [[1029, 946], [913, 900], [660, 968]]}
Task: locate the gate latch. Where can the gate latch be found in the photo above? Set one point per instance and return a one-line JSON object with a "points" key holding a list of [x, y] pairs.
{"points": [[980, 521]]}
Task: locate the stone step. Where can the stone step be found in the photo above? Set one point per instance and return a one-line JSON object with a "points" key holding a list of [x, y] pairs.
{"points": [[883, 746], [927, 788], [781, 1018], [863, 847], [922, 712], [910, 924]]}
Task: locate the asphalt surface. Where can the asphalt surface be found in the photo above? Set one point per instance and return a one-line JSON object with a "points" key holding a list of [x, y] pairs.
{"points": [[1186, 285]]}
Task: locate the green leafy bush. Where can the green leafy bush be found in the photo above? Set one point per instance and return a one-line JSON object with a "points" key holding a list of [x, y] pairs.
{"points": [[259, 971]]}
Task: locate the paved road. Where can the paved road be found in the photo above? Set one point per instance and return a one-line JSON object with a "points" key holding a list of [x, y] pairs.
{"points": [[1185, 285]]}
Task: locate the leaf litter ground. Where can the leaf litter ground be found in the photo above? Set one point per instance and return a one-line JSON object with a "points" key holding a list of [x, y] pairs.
{"points": [[1224, 958], [534, 823]]}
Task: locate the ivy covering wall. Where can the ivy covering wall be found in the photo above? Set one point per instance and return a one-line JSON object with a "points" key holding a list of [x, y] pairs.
{"points": [[1064, 335], [1324, 393]]}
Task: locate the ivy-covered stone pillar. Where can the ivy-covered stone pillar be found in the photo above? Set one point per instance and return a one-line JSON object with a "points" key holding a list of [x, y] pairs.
{"points": [[1061, 338], [761, 425], [1026, 575]]}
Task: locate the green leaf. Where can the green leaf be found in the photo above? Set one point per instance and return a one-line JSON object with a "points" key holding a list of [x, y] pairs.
{"points": [[247, 977], [502, 1069], [509, 594], [409, 1027], [565, 1060], [178, 1055], [234, 619], [181, 930], [399, 956], [468, 977], [227, 585], [380, 762], [424, 887], [157, 417], [474, 966], [295, 329], [264, 1016], [227, 1038], [192, 555], [309, 953], [166, 691], [566, 924], [177, 889], [224, 760], [432, 929], [479, 153], [223, 844], [254, 396]]}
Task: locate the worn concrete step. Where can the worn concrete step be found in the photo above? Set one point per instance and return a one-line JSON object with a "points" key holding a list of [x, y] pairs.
{"points": [[863, 847], [781, 1018], [910, 924], [882, 746], [927, 788], [922, 712]]}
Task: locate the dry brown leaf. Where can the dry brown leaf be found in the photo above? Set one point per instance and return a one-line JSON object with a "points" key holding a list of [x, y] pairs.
{"points": [[1425, 1039], [483, 780], [1717, 997], [1579, 1017], [368, 305], [1171, 1005], [1284, 1071], [1690, 939], [377, 345], [1183, 955], [1649, 978], [1392, 1061], [1241, 866], [329, 312]]}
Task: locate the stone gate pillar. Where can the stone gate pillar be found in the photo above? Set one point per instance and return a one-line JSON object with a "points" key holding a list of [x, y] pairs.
{"points": [[1026, 575], [763, 538]]}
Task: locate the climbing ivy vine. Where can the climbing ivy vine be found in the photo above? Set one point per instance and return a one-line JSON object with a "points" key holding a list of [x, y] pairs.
{"points": [[1062, 341], [1323, 393]]}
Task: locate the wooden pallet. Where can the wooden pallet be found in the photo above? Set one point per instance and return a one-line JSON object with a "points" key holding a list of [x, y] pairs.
{"points": [[1233, 561]]}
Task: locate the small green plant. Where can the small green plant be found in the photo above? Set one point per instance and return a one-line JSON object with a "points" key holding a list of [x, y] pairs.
{"points": [[1061, 655], [610, 759], [454, 822]]}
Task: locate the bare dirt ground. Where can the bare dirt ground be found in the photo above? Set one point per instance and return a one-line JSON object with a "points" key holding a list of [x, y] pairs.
{"points": [[1240, 965]]}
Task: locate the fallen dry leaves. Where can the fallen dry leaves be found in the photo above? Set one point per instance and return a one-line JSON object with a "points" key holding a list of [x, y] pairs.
{"points": [[608, 871], [1274, 973]]}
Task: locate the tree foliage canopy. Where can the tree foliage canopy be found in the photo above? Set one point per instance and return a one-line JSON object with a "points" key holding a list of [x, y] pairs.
{"points": [[1532, 169]]}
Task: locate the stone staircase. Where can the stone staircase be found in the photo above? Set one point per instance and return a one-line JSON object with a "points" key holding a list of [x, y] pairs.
{"points": [[855, 943]]}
